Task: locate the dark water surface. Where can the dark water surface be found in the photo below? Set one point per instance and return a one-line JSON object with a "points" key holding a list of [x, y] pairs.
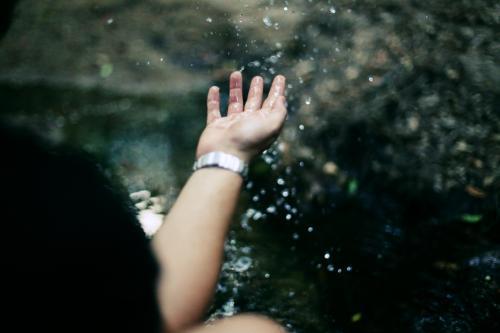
{"points": [[377, 210]]}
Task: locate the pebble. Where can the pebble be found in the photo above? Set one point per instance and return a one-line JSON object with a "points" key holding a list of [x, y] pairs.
{"points": [[140, 196]]}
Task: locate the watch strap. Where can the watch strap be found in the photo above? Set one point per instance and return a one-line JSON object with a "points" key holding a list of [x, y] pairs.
{"points": [[219, 159]]}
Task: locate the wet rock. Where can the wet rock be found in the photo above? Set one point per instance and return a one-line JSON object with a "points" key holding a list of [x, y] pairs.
{"points": [[143, 195], [150, 221]]}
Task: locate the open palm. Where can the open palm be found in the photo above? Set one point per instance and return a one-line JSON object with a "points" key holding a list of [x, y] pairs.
{"points": [[248, 127]]}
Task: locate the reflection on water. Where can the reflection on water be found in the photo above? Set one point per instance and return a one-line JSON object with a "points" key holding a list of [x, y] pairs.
{"points": [[377, 210]]}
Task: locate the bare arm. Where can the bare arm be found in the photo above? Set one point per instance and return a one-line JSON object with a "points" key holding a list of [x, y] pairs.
{"points": [[189, 245]]}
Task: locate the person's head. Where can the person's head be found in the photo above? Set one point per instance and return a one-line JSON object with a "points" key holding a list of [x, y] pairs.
{"points": [[76, 258]]}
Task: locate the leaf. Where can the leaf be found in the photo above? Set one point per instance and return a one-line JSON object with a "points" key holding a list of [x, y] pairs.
{"points": [[106, 70], [475, 192], [356, 317], [352, 187], [472, 218]]}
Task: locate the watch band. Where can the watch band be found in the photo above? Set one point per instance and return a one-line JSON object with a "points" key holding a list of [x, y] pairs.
{"points": [[222, 160]]}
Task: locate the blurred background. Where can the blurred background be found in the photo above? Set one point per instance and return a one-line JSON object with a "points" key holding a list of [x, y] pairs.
{"points": [[378, 208]]}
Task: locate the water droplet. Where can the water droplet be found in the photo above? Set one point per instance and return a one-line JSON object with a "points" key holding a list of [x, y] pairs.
{"points": [[370, 78], [209, 20], [228, 308], [332, 10], [285, 193], [295, 236], [327, 255], [271, 209], [285, 9], [255, 63], [310, 229], [267, 21], [288, 217], [330, 268], [257, 216], [268, 159], [308, 100], [348, 268], [301, 127], [280, 181], [267, 275], [242, 264], [246, 249]]}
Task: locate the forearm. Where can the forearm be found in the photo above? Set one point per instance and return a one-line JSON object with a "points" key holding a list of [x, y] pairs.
{"points": [[189, 245]]}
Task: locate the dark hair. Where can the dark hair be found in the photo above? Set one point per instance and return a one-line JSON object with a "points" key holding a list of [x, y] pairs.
{"points": [[6, 12], [76, 257]]}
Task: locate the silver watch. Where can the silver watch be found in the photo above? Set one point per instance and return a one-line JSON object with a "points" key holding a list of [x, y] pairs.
{"points": [[222, 160]]}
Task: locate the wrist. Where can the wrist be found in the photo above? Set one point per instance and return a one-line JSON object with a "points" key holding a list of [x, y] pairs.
{"points": [[244, 156]]}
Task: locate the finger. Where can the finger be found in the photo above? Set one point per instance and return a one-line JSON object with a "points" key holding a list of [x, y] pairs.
{"points": [[254, 99], [278, 115], [277, 90], [235, 93], [280, 105], [213, 104], [279, 108]]}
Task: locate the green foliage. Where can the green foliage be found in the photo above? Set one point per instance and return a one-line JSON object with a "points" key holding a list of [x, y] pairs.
{"points": [[472, 218], [352, 187]]}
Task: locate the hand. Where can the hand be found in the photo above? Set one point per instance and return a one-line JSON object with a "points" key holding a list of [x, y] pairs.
{"points": [[247, 129]]}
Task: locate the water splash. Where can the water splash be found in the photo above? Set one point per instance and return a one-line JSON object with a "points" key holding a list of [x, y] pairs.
{"points": [[267, 21]]}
